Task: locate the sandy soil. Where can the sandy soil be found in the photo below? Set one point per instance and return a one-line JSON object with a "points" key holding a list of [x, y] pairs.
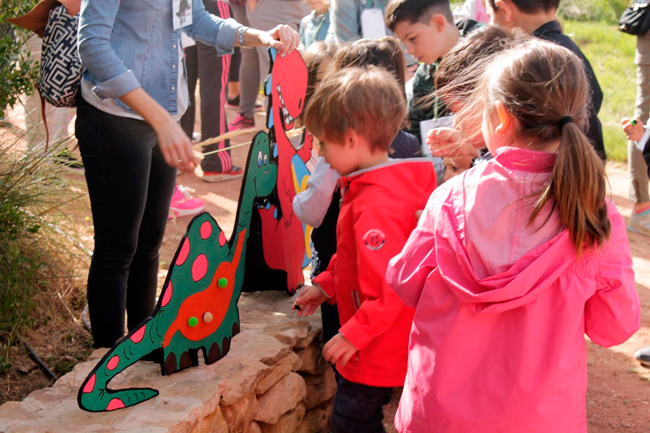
{"points": [[618, 399]]}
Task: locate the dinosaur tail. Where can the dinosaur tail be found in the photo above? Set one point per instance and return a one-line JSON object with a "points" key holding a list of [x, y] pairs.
{"points": [[94, 394]]}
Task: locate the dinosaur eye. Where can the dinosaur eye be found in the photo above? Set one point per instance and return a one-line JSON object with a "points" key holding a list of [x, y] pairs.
{"points": [[266, 159], [259, 159]]}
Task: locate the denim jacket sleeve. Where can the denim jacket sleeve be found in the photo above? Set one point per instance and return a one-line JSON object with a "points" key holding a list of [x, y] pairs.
{"points": [[344, 20], [96, 22], [112, 78], [212, 30]]}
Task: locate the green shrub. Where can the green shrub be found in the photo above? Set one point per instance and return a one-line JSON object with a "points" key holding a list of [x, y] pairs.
{"points": [[18, 72], [34, 250]]}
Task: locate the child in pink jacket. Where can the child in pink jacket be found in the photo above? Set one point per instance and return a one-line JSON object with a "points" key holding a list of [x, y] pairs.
{"points": [[514, 261]]}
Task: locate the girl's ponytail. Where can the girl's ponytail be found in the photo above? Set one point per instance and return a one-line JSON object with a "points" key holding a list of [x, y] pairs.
{"points": [[577, 189], [545, 87]]}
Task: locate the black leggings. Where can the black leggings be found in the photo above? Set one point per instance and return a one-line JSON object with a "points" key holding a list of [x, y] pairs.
{"points": [[130, 188]]}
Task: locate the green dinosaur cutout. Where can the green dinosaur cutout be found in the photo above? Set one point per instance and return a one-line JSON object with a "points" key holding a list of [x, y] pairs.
{"points": [[197, 309]]}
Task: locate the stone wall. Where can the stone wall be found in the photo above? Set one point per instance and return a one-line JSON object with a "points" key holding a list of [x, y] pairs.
{"points": [[273, 380]]}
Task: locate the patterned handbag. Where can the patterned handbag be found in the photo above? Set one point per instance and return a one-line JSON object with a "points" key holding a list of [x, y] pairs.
{"points": [[60, 63]]}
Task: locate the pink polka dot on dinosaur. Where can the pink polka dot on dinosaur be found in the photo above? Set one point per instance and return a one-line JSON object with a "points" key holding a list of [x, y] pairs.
{"points": [[167, 295], [206, 230], [116, 403], [199, 267], [113, 362], [90, 385], [138, 335], [222, 239], [185, 251]]}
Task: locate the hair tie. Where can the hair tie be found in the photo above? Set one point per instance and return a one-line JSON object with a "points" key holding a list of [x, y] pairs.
{"points": [[563, 121]]}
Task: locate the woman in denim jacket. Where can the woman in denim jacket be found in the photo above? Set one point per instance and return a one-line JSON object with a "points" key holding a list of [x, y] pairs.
{"points": [[133, 92]]}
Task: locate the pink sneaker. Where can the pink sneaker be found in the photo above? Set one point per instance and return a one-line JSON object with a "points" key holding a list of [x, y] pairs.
{"points": [[241, 122], [183, 204]]}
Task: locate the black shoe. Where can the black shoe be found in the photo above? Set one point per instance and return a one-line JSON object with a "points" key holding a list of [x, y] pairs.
{"points": [[643, 356], [65, 157], [233, 103]]}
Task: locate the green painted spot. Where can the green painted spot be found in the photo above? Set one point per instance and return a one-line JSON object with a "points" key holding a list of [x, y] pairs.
{"points": [[222, 283], [192, 322]]}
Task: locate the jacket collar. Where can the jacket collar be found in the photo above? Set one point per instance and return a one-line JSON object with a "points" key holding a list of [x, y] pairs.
{"points": [[548, 28], [534, 161]]}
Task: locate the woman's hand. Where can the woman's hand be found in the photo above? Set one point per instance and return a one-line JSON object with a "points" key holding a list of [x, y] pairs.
{"points": [[176, 146], [283, 38], [633, 128], [309, 299]]}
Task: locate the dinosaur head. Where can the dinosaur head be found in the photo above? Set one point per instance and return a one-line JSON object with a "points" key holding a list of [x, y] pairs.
{"points": [[262, 172], [288, 87]]}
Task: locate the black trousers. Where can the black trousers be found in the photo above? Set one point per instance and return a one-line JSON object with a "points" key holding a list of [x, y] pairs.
{"points": [[130, 188], [359, 408], [212, 71]]}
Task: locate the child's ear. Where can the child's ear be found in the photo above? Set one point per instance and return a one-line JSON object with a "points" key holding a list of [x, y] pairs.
{"points": [[507, 8], [438, 22], [351, 138], [505, 118]]}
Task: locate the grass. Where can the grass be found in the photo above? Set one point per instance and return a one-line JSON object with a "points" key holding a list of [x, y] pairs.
{"points": [[611, 54], [593, 10]]}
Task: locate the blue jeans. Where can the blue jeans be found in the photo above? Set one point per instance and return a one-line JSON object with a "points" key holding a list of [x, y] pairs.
{"points": [[130, 188], [359, 408]]}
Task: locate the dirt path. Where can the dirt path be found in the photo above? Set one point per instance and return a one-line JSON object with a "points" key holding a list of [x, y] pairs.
{"points": [[618, 399]]}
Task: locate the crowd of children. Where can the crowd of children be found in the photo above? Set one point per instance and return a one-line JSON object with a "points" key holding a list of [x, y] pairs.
{"points": [[470, 288], [471, 284]]}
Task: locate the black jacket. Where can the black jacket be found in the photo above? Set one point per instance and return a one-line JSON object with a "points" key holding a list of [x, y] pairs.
{"points": [[552, 31]]}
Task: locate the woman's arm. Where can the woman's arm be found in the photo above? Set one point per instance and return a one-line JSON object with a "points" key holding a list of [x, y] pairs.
{"points": [[96, 22], [174, 144]]}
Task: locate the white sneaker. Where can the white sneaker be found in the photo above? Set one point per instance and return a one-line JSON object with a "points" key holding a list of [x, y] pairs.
{"points": [[639, 224]]}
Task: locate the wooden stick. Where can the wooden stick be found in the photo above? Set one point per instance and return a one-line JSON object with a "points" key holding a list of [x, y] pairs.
{"points": [[291, 133], [227, 148], [222, 137]]}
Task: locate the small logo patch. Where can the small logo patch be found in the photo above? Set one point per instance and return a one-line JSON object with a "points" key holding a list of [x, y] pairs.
{"points": [[374, 239]]}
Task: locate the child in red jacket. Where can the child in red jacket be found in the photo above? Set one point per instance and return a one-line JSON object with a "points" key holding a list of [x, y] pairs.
{"points": [[355, 115]]}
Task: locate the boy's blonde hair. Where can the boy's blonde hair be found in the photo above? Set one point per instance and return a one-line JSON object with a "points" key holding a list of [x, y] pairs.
{"points": [[367, 100]]}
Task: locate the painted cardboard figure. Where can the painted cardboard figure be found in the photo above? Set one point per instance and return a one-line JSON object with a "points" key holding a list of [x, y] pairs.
{"points": [[197, 309], [285, 241]]}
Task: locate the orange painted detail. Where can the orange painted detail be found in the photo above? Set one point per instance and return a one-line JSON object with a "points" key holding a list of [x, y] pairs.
{"points": [[214, 298]]}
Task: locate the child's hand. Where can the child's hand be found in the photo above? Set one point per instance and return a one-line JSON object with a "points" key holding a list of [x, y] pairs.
{"points": [[309, 299], [447, 142], [339, 349], [633, 128]]}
